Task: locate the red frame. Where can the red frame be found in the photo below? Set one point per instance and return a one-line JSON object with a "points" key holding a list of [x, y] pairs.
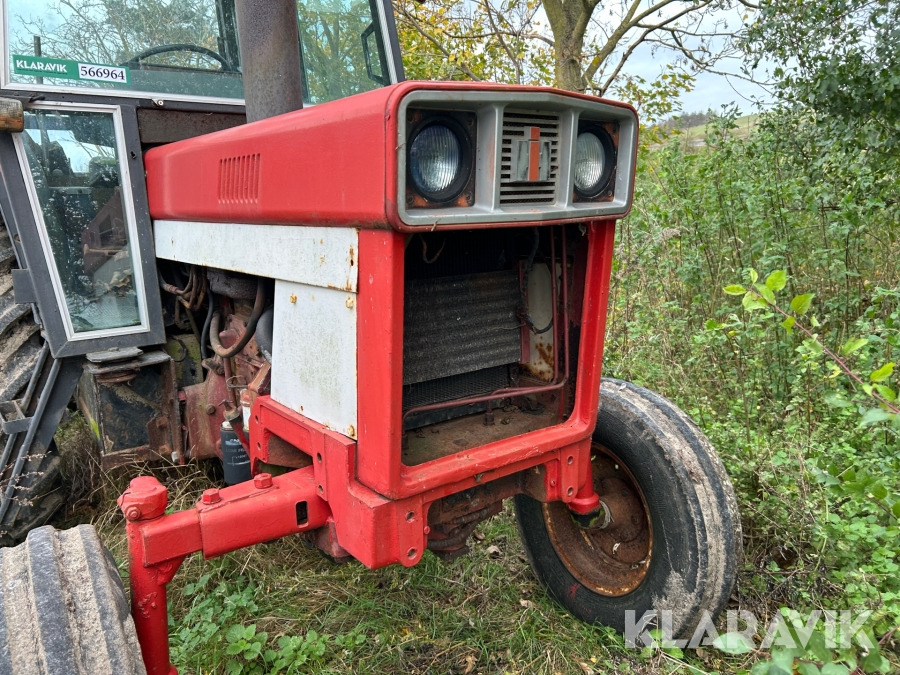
{"points": [[379, 326]]}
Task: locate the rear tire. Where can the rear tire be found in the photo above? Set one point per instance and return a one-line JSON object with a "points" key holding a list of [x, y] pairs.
{"points": [[674, 542], [63, 608], [38, 496]]}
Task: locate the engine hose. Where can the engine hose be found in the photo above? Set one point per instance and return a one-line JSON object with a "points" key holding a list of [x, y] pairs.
{"points": [[258, 306], [204, 334], [264, 333]]}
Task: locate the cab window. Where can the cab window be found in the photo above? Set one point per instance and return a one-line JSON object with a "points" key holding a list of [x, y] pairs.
{"points": [[183, 48]]}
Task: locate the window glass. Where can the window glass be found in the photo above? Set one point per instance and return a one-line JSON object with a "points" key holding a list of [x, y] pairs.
{"points": [[184, 47], [77, 177]]}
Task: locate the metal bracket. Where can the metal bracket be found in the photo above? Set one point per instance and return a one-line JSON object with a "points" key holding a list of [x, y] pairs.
{"points": [[12, 418], [23, 287]]}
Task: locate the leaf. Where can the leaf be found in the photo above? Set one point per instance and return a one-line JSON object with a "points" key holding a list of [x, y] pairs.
{"points": [[800, 304], [753, 275], [733, 643], [788, 323], [712, 324], [882, 373], [836, 400], [879, 491], [766, 293], [807, 669], [234, 633], [853, 344], [752, 302], [735, 289], [886, 393], [874, 662], [776, 280], [874, 416], [895, 509], [835, 669]]}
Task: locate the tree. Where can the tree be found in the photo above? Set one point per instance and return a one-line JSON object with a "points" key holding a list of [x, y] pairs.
{"points": [[839, 60], [113, 31], [587, 45]]}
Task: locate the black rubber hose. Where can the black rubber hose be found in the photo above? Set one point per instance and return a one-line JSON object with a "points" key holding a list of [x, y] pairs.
{"points": [[258, 306], [204, 334]]}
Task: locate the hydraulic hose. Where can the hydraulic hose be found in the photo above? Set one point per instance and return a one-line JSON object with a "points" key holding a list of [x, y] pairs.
{"points": [[258, 306]]}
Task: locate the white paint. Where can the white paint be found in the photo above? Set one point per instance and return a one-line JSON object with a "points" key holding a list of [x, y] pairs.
{"points": [[314, 354], [318, 256]]}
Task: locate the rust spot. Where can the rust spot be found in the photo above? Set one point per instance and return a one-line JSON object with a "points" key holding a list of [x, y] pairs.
{"points": [[352, 256], [350, 302], [611, 558], [542, 367], [351, 431], [293, 298]]}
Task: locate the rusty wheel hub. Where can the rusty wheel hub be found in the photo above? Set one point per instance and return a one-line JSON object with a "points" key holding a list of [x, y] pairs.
{"points": [[612, 555]]}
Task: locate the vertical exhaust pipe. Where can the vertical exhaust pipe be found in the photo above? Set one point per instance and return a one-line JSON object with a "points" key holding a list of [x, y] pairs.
{"points": [[270, 57]]}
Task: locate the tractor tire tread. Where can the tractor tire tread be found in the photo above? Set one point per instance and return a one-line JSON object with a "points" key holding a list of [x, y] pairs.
{"points": [[63, 608]]}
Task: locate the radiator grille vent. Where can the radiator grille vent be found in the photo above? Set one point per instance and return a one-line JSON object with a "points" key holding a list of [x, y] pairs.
{"points": [[239, 179], [517, 127], [460, 324]]}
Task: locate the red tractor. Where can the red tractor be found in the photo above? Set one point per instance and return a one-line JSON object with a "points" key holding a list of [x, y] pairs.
{"points": [[380, 304]]}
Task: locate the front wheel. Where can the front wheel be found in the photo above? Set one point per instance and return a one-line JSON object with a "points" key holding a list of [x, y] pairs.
{"points": [[669, 536]]}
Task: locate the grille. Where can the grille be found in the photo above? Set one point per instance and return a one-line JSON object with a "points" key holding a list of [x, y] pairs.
{"points": [[455, 387], [239, 179], [517, 126], [460, 324]]}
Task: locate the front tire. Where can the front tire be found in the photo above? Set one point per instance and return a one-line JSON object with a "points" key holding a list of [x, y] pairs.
{"points": [[670, 537]]}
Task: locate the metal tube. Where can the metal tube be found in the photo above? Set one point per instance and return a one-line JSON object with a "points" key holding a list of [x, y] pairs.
{"points": [[270, 57]]}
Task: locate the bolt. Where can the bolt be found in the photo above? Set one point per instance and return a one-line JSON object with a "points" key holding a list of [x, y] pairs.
{"points": [[262, 480], [132, 513], [211, 496], [293, 298], [210, 409]]}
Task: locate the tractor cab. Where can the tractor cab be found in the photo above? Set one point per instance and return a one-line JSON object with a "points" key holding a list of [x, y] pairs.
{"points": [[101, 82]]}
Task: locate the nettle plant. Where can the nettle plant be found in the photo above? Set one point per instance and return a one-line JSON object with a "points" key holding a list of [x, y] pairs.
{"points": [[857, 532]]}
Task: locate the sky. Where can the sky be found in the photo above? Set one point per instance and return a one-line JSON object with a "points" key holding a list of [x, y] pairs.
{"points": [[711, 91]]}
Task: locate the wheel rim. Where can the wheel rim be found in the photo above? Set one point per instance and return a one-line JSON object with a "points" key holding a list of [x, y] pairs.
{"points": [[612, 557]]}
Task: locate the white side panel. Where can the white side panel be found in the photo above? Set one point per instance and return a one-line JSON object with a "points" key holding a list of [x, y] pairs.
{"points": [[314, 354], [319, 256]]}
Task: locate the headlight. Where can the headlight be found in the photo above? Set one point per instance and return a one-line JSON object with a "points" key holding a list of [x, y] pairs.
{"points": [[594, 162], [434, 160], [439, 160]]}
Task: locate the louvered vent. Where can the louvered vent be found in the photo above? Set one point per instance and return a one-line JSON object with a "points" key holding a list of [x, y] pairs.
{"points": [[239, 179], [518, 128]]}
